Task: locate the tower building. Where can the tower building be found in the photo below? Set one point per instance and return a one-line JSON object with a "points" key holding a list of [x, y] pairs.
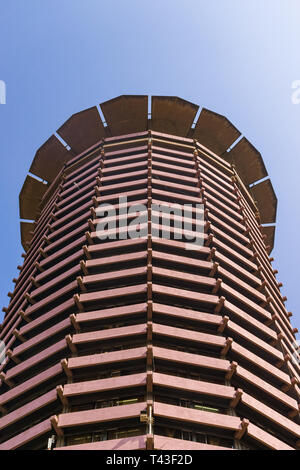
{"points": [[152, 336]]}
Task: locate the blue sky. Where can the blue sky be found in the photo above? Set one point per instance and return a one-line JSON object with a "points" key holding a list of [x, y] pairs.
{"points": [[238, 58]]}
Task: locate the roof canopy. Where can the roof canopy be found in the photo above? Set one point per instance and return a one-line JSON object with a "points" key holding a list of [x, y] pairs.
{"points": [[128, 114]]}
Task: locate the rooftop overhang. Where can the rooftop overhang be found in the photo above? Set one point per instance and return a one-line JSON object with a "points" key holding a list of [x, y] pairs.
{"points": [[49, 159], [128, 114], [269, 231], [26, 229], [248, 161], [172, 115], [82, 130], [215, 131], [266, 200], [30, 197]]}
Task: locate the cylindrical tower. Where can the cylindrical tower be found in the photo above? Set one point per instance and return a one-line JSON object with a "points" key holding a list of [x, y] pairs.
{"points": [[150, 337]]}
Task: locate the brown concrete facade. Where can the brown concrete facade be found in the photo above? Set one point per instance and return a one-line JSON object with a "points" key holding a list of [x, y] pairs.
{"points": [[141, 343]]}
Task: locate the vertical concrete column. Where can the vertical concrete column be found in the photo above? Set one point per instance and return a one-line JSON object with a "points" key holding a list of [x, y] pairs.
{"points": [[149, 397]]}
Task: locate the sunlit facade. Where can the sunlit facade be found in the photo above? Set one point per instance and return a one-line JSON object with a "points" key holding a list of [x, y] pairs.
{"points": [[143, 342]]}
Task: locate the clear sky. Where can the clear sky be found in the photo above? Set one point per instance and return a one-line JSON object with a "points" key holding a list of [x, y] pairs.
{"points": [[236, 57]]}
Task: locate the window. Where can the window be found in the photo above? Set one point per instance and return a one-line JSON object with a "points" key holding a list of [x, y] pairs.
{"points": [[75, 440], [201, 407]]}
